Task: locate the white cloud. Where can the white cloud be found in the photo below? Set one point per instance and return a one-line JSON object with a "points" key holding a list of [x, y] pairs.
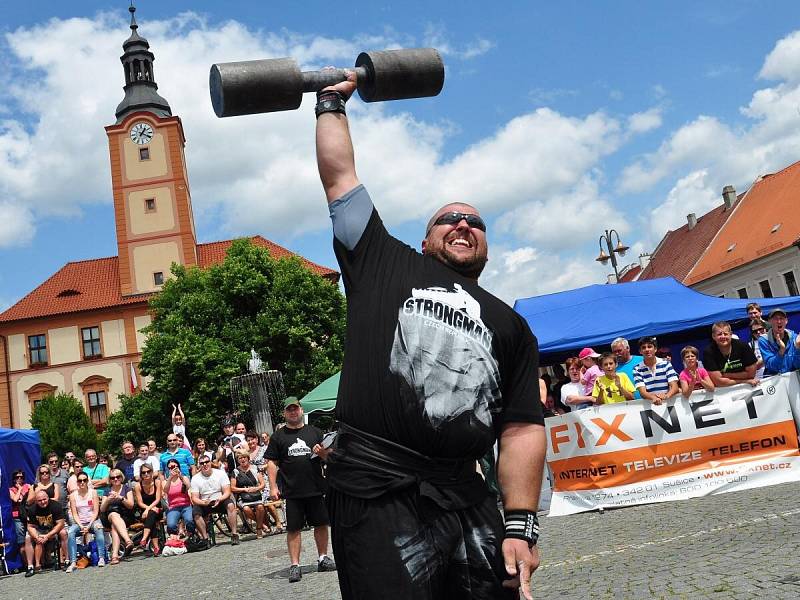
{"points": [[437, 36], [783, 62], [17, 226], [642, 122], [691, 194]]}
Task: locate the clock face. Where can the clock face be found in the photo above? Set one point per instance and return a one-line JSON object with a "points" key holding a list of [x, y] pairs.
{"points": [[141, 133]]}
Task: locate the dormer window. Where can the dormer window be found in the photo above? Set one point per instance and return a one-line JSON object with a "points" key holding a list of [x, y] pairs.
{"points": [[158, 278], [775, 228], [731, 247], [67, 293], [149, 205]]}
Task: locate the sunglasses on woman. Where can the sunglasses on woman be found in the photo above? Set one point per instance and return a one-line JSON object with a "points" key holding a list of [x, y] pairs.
{"points": [[82, 480], [19, 476], [143, 472], [44, 472], [115, 478], [174, 467]]}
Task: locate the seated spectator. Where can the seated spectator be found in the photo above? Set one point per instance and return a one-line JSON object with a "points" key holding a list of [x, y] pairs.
{"points": [[84, 506], [18, 492], [625, 360], [757, 329], [116, 513], [59, 476], [727, 360], [179, 504], [45, 522], [693, 377], [611, 387], [590, 370], [248, 483], [97, 472], [259, 460], [264, 438], [780, 345], [572, 393], [45, 483], [654, 378], [144, 458], [211, 492], [147, 497], [182, 455], [72, 482], [125, 462]]}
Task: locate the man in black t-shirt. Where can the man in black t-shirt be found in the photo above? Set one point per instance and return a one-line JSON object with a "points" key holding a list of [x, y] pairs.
{"points": [[729, 361], [45, 523], [436, 370], [295, 475]]}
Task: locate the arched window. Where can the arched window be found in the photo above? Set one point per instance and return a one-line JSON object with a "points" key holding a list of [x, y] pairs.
{"points": [[38, 392], [95, 393]]}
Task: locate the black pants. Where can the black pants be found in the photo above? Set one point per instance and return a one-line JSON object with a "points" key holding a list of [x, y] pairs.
{"points": [[404, 546]]}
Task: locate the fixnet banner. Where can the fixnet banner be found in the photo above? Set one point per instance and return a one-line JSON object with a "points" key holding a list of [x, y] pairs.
{"points": [[635, 452]]}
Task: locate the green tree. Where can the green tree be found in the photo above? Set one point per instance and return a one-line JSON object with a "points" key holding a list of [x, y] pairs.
{"points": [[63, 425], [205, 322], [139, 417]]}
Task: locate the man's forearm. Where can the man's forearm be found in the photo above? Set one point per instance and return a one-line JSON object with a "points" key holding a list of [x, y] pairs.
{"points": [[520, 465], [335, 156]]}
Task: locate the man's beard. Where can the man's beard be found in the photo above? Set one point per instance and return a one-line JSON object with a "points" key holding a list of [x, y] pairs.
{"points": [[471, 268]]}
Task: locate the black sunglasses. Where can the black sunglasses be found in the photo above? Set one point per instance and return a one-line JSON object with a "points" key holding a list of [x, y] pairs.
{"points": [[453, 218], [82, 480], [44, 472], [204, 462], [145, 472], [19, 476], [115, 477]]}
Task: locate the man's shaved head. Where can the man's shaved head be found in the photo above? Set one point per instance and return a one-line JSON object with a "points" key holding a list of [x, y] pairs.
{"points": [[459, 246]]}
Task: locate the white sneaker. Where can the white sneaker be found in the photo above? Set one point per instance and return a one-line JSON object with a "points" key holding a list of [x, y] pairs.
{"points": [[101, 562], [70, 568]]}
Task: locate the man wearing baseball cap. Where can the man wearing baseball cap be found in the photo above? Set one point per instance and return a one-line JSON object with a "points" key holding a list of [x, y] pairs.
{"points": [[299, 481], [779, 348]]}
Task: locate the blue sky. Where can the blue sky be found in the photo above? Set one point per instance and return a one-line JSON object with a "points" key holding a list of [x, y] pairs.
{"points": [[557, 120]]}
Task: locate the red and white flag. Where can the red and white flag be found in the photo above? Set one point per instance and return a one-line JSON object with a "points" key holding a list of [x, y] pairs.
{"points": [[134, 382]]}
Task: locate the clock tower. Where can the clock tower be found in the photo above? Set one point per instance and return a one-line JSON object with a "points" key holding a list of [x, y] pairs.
{"points": [[152, 203]]}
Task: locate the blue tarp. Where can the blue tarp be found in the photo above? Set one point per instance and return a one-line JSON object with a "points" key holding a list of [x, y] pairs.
{"points": [[595, 315], [19, 449]]}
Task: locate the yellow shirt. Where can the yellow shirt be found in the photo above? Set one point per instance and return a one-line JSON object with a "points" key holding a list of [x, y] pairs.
{"points": [[612, 393]]}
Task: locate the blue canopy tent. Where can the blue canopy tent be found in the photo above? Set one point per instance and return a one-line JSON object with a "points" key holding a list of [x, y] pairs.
{"points": [[19, 449], [594, 315]]}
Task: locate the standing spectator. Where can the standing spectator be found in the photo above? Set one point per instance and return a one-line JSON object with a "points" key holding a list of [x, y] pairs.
{"points": [[611, 387], [265, 438], [201, 449], [727, 360], [70, 456], [115, 513], [144, 458], [211, 492], [590, 370], [152, 448], [561, 379], [84, 506], [757, 329], [754, 313], [147, 498], [46, 484], [179, 425], [59, 476], [572, 393], [105, 459], [654, 377], [179, 504], [664, 353], [45, 519], [18, 493], [248, 483], [779, 346], [182, 455], [296, 476], [97, 472], [125, 463], [66, 466], [625, 360], [225, 448], [693, 377]]}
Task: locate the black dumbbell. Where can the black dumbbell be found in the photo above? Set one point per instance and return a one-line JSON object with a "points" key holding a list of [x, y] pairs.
{"points": [[258, 86]]}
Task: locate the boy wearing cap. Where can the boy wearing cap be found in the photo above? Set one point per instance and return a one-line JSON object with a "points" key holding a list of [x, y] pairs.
{"points": [[779, 347]]}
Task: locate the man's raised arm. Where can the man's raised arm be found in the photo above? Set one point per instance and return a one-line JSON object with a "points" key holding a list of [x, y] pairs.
{"points": [[335, 158]]}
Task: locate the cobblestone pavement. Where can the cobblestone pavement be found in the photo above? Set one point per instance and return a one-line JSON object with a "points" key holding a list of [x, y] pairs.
{"points": [[734, 546]]}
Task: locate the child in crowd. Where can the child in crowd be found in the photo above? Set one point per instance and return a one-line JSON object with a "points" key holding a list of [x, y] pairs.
{"points": [[612, 387], [693, 377], [179, 425], [590, 370]]}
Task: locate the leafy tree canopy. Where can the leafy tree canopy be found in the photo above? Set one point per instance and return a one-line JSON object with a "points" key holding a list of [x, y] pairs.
{"points": [[205, 322], [63, 425]]}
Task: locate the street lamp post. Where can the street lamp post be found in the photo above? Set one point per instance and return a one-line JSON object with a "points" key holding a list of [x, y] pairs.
{"points": [[620, 249]]}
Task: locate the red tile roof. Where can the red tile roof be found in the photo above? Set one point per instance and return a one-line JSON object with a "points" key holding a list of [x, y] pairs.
{"points": [[630, 273], [94, 284], [680, 250]]}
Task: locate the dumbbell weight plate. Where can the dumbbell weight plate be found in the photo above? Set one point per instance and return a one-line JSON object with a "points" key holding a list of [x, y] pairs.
{"points": [[255, 86], [400, 74]]}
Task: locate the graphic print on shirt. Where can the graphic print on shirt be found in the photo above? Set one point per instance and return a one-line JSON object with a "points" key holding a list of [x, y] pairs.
{"points": [[443, 352], [299, 448]]}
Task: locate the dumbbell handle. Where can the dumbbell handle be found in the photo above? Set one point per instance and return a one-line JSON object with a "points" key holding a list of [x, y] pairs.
{"points": [[314, 81]]}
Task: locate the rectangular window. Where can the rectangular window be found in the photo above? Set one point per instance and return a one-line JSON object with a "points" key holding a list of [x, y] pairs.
{"points": [[91, 342], [38, 349], [149, 205], [158, 278], [97, 409], [144, 153], [766, 290], [791, 283], [742, 292]]}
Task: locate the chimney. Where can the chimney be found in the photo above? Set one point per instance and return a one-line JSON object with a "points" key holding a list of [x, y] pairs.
{"points": [[644, 260], [691, 218], [728, 196], [611, 278]]}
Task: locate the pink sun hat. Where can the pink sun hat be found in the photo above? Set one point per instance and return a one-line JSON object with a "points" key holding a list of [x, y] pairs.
{"points": [[587, 353]]}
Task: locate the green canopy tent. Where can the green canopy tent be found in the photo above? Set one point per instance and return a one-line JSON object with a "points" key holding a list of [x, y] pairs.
{"points": [[323, 397]]}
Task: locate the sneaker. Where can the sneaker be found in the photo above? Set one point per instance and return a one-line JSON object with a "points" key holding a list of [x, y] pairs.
{"points": [[70, 568], [235, 539], [295, 573], [30, 572], [326, 564], [101, 562]]}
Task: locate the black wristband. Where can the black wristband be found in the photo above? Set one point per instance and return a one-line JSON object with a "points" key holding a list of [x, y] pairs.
{"points": [[522, 525], [329, 101]]}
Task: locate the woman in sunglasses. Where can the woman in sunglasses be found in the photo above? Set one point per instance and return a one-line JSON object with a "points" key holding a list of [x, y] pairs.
{"points": [[84, 508], [19, 497], [72, 482], [148, 499], [115, 513], [44, 481], [176, 487]]}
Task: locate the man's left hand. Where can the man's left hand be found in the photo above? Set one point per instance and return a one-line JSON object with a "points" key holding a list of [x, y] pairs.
{"points": [[520, 562]]}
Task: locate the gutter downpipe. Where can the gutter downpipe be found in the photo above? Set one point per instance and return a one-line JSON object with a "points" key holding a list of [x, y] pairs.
{"points": [[8, 381]]}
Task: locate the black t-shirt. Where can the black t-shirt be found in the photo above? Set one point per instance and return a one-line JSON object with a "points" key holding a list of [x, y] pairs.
{"points": [[126, 466], [299, 476], [44, 519], [432, 361], [741, 356]]}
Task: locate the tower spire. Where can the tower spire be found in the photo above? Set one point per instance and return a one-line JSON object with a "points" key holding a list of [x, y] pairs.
{"points": [[140, 84]]}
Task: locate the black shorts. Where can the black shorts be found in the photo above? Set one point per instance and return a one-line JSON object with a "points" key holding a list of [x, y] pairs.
{"points": [[220, 509], [300, 511], [401, 545]]}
